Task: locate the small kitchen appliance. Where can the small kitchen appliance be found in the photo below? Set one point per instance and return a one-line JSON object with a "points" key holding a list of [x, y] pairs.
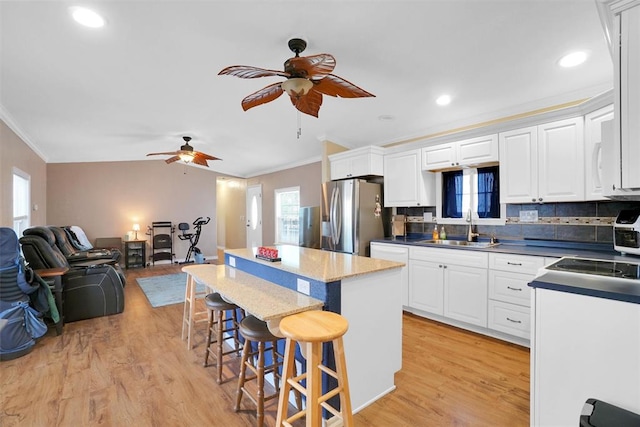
{"points": [[626, 232]]}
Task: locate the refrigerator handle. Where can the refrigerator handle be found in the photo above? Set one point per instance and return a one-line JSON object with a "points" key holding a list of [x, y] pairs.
{"points": [[332, 214], [337, 217]]}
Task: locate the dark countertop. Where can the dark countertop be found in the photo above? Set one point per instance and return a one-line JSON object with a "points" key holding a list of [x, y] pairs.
{"points": [[545, 248], [626, 290]]}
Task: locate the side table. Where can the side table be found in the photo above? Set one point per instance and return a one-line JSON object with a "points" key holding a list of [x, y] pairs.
{"points": [[135, 253]]}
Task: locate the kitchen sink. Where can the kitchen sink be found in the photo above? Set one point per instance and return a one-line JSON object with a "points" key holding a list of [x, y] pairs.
{"points": [[462, 243]]}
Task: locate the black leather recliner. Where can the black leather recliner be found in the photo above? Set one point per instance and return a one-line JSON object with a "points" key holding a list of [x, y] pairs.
{"points": [[73, 255], [89, 290]]}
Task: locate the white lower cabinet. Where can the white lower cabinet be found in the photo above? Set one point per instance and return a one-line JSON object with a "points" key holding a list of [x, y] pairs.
{"points": [[465, 294], [486, 292], [511, 319], [426, 286], [449, 283], [509, 292]]}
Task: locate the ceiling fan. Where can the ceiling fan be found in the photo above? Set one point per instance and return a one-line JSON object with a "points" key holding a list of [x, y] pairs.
{"points": [[308, 78], [187, 154]]}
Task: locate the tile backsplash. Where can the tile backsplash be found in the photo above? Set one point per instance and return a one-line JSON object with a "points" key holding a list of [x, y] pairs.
{"points": [[578, 222]]}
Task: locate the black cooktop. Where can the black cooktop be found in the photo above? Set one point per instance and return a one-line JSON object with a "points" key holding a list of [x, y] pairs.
{"points": [[622, 270]]}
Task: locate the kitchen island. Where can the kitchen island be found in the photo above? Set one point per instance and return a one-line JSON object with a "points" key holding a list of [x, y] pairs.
{"points": [[365, 291]]}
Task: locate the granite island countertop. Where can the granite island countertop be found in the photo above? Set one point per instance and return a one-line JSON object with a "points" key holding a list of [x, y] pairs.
{"points": [[265, 300], [324, 266]]}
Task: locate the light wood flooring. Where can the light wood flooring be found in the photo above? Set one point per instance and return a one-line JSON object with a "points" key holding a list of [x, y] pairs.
{"points": [[134, 369]]}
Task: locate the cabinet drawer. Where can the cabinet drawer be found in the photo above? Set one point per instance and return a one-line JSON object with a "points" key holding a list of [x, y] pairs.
{"points": [[510, 287], [468, 258], [510, 319], [516, 263]]}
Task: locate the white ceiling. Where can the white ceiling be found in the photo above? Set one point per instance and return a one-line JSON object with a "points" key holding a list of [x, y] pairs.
{"points": [[151, 74]]}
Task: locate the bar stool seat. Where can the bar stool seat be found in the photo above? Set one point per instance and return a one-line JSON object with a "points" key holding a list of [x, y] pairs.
{"points": [[255, 330], [311, 329], [219, 325]]}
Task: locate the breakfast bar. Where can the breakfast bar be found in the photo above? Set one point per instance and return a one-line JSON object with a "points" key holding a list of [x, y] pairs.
{"points": [[364, 290], [265, 300]]}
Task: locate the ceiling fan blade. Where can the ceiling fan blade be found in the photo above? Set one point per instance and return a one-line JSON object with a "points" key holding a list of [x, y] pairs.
{"points": [[199, 160], [333, 85], [309, 103], [264, 95], [163, 154], [311, 67], [207, 156], [172, 159], [249, 72]]}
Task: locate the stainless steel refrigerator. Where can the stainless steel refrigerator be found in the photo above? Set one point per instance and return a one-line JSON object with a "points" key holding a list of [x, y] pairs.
{"points": [[351, 214], [309, 223]]}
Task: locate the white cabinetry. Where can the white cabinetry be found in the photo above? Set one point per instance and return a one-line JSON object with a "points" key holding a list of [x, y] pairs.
{"points": [[509, 294], [582, 347], [626, 63], [398, 253], [358, 162], [534, 164], [469, 152], [405, 184], [426, 286], [450, 283], [593, 152]]}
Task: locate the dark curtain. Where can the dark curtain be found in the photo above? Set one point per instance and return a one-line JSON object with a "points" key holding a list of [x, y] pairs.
{"points": [[488, 193], [452, 194]]}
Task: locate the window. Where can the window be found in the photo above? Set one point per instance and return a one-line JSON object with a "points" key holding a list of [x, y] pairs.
{"points": [[21, 201], [475, 190], [287, 207]]}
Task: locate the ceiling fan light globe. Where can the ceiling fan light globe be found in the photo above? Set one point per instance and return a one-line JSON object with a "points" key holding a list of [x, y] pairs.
{"points": [[297, 86], [186, 157]]}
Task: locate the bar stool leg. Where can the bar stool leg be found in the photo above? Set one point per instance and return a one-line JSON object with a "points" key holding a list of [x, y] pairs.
{"points": [[246, 349], [314, 383], [219, 342], [188, 318], [209, 333], [287, 372], [341, 371], [260, 392]]}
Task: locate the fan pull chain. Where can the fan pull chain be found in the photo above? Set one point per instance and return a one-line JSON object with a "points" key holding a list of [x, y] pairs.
{"points": [[299, 125]]}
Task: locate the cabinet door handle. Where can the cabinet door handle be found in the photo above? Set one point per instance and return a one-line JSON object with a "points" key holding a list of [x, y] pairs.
{"points": [[444, 266], [514, 263], [440, 266], [514, 321], [514, 289]]}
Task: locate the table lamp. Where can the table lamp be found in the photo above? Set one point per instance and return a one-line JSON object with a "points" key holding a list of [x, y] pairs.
{"points": [[136, 228]]}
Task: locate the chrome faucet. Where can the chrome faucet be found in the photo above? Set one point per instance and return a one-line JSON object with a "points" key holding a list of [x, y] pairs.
{"points": [[471, 236]]}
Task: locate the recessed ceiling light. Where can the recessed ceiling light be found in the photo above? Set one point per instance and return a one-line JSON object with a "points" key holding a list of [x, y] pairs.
{"points": [[573, 59], [87, 17], [443, 100], [386, 117]]}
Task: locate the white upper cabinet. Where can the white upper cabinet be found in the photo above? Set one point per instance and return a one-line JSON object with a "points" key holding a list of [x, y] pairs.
{"points": [[405, 184], [543, 163], [626, 63], [593, 152], [519, 165], [468, 152], [364, 161]]}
